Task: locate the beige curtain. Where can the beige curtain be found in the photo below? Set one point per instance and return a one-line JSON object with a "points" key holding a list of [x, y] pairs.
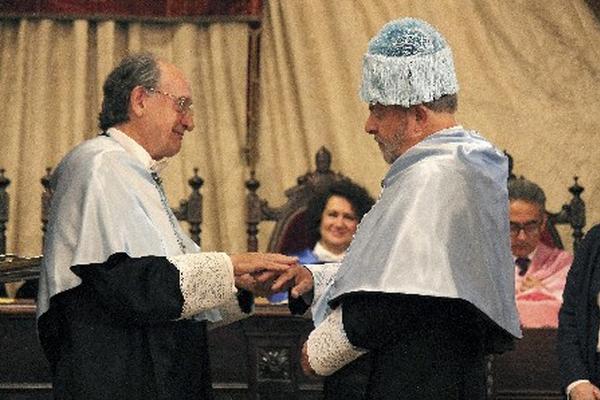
{"points": [[528, 71], [51, 77]]}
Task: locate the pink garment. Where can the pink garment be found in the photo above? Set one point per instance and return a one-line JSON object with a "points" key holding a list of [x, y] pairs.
{"points": [[538, 306]]}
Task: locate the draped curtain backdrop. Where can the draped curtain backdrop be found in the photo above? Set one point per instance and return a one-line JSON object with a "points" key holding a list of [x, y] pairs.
{"points": [[51, 85], [528, 71]]}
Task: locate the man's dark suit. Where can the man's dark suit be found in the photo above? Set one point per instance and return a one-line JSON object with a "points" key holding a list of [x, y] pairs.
{"points": [[579, 318]]}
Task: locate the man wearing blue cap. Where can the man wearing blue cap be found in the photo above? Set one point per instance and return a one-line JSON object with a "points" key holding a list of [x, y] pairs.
{"points": [[427, 285]]}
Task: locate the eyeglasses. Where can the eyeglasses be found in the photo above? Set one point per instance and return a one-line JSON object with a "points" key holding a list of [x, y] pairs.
{"points": [[184, 104], [530, 228]]}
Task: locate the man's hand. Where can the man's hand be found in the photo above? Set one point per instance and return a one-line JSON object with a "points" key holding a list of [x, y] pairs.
{"points": [[250, 263], [305, 364], [258, 283], [298, 277], [585, 391]]}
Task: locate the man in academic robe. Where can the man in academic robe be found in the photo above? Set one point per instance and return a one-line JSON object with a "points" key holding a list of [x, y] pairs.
{"points": [[125, 296], [540, 270], [427, 285]]}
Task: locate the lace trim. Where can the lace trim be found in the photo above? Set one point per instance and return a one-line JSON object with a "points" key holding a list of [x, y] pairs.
{"points": [[206, 281], [328, 346]]}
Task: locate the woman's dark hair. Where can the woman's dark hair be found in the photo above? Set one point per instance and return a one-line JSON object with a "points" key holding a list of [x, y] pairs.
{"points": [[357, 196]]}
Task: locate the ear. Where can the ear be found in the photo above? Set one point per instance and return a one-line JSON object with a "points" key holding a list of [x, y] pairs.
{"points": [[421, 114], [137, 99]]}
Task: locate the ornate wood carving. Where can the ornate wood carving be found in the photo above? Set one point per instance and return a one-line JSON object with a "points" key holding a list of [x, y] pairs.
{"points": [[274, 363], [4, 203], [46, 198], [511, 164], [254, 207], [572, 213], [190, 209]]}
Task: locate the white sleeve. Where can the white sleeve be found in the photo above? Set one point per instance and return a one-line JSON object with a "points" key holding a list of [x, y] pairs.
{"points": [[323, 277], [206, 281], [328, 346]]}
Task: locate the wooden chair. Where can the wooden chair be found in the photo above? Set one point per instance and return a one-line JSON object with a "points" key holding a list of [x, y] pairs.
{"points": [[274, 337], [290, 233], [190, 209], [571, 213]]}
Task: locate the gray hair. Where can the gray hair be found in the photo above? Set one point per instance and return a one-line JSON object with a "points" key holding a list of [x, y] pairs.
{"points": [[134, 70], [522, 189], [447, 103]]}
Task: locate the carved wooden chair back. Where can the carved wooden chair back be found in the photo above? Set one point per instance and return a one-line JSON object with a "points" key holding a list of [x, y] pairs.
{"points": [[290, 232], [571, 213]]}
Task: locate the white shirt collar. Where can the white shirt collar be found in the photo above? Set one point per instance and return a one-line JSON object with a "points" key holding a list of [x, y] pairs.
{"points": [[325, 255], [136, 150]]}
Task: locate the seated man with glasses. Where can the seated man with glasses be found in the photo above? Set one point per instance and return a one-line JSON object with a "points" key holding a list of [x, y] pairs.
{"points": [[540, 270]]}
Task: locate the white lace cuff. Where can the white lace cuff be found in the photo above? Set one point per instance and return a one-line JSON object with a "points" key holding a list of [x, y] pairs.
{"points": [[328, 346], [206, 281]]}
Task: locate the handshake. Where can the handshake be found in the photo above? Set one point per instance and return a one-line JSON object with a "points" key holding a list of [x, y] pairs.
{"points": [[267, 273]]}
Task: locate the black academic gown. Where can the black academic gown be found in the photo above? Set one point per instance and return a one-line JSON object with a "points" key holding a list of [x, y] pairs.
{"points": [[420, 347], [116, 336]]}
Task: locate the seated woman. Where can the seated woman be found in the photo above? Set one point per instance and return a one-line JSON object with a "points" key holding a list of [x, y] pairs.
{"points": [[332, 217]]}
